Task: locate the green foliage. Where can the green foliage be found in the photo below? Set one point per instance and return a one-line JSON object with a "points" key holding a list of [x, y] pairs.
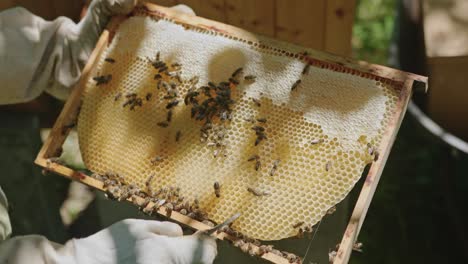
{"points": [[373, 29]]}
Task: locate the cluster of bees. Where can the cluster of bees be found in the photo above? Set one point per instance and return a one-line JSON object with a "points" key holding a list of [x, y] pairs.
{"points": [[117, 188], [256, 249], [357, 246], [303, 228]]}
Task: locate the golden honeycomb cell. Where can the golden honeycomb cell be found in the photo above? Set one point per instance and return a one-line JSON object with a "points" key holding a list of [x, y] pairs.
{"points": [[342, 111]]}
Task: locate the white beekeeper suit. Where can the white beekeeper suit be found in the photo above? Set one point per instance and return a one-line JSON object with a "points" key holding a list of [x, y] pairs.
{"points": [[36, 56]]}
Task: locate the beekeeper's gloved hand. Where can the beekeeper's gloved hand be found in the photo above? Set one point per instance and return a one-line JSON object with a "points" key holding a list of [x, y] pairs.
{"points": [[128, 241], [38, 55]]}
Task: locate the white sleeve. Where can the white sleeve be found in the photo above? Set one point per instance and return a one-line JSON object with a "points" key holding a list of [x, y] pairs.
{"points": [[5, 226], [37, 55]]}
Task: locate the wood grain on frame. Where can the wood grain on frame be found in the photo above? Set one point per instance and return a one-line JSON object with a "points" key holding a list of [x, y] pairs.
{"points": [[301, 22], [212, 9], [339, 26], [256, 16]]}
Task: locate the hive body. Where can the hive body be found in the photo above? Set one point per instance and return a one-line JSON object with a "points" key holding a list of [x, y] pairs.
{"points": [[317, 135]]}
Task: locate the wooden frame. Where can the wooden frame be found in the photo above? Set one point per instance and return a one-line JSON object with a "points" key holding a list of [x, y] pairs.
{"points": [[404, 81]]}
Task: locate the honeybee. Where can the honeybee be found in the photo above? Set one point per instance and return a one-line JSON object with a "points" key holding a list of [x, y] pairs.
{"points": [[176, 66], [306, 69], [190, 96], [136, 102], [177, 78], [275, 167], [150, 178], [169, 116], [328, 166], [316, 141], [260, 136], [117, 96], [168, 212], [258, 164], [257, 102], [194, 80], [110, 60], [262, 120], [237, 72], [250, 78], [258, 128], [291, 257], [217, 189], [376, 155], [172, 104], [357, 246], [131, 95], [170, 96], [177, 136], [156, 159], [332, 256], [216, 152], [253, 157], [298, 224], [245, 247], [157, 76], [257, 192], [370, 149], [125, 194], [331, 210], [103, 79], [148, 96], [52, 160], [308, 229], [233, 81], [163, 124], [65, 128], [162, 68], [294, 86], [212, 85], [238, 243], [250, 120], [144, 204]]}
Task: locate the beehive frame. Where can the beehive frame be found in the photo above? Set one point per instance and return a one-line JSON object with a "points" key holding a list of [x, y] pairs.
{"points": [[405, 81]]}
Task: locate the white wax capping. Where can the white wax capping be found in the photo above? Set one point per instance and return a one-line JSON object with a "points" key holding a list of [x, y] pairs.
{"points": [[326, 98]]}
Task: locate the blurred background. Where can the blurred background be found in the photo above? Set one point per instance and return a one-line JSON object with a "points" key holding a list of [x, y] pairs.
{"points": [[419, 213]]}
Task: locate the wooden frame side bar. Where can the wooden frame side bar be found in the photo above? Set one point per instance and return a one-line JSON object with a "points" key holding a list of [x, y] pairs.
{"points": [[372, 179]]}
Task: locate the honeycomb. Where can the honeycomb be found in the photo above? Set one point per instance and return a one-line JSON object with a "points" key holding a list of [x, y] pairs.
{"points": [[317, 136]]}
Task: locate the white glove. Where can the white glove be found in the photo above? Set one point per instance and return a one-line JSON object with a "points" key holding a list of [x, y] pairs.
{"points": [[129, 241]]}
